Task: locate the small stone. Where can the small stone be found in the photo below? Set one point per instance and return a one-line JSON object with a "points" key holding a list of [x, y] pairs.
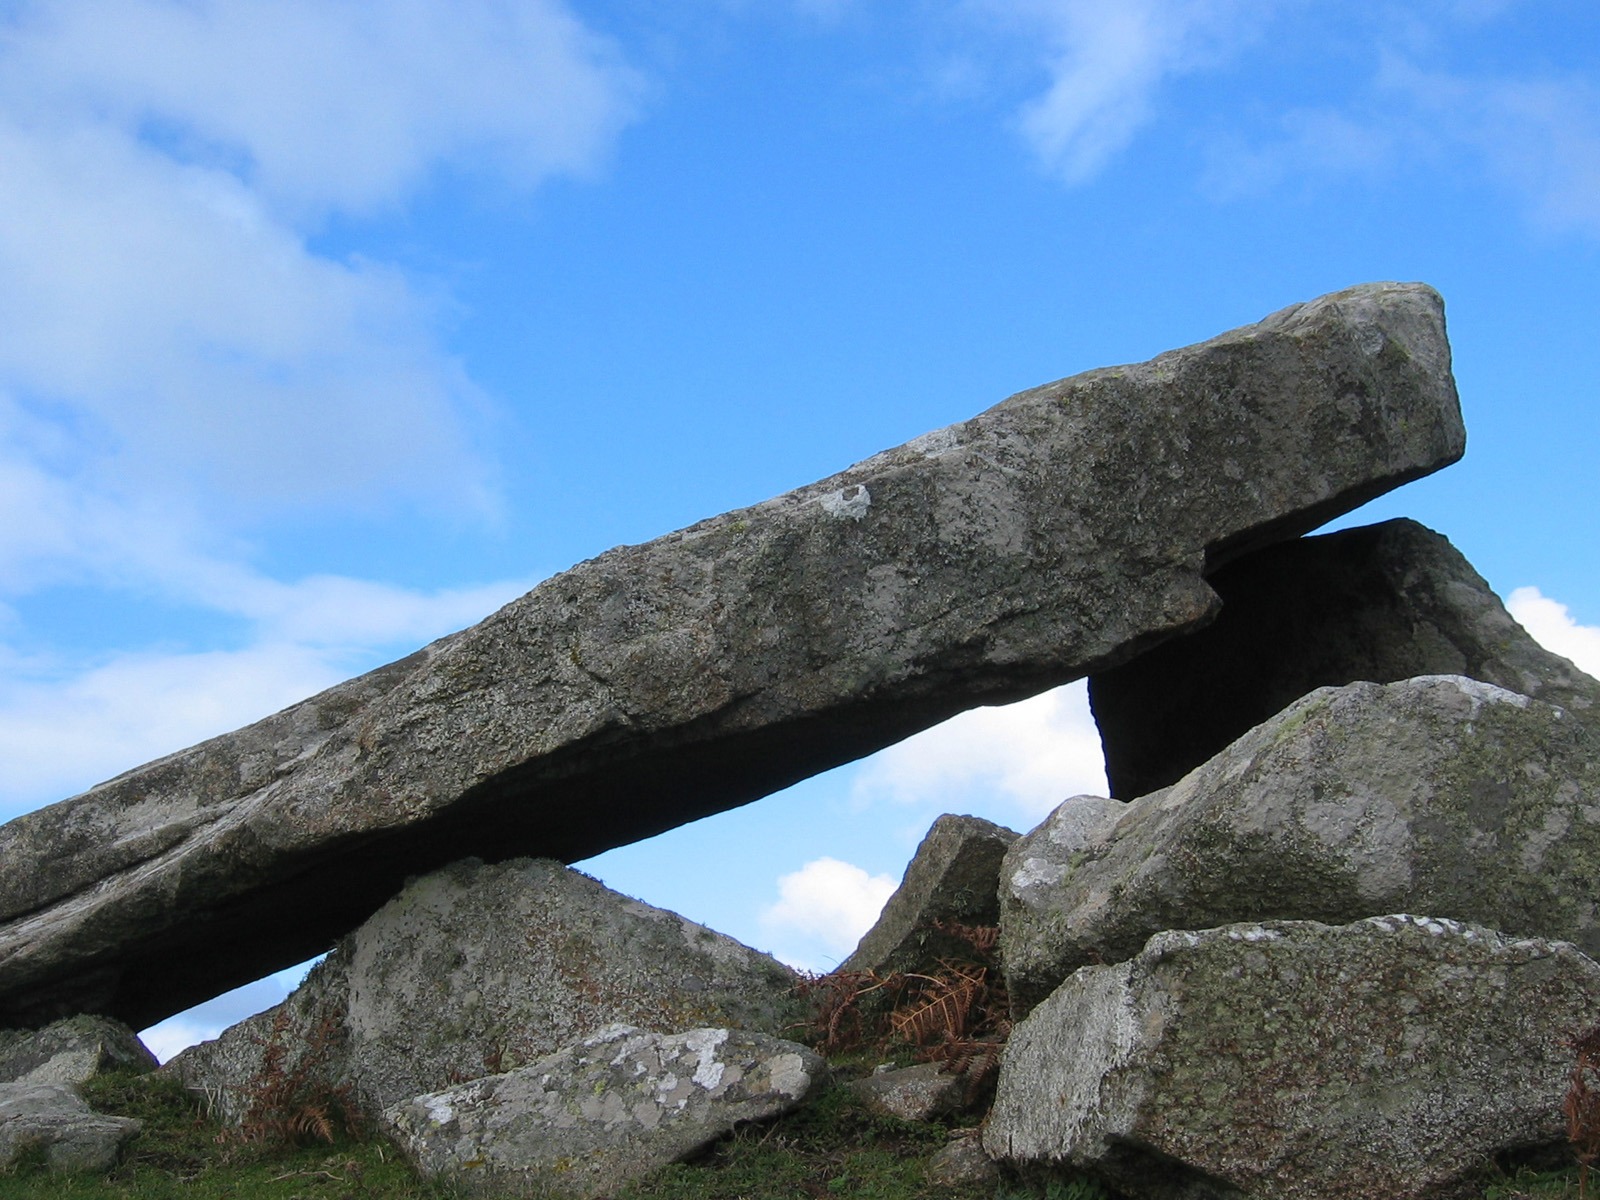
{"points": [[920, 1093], [963, 1163], [52, 1117]]}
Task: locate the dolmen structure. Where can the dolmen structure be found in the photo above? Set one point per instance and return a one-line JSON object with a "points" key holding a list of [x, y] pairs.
{"points": [[1330, 938]]}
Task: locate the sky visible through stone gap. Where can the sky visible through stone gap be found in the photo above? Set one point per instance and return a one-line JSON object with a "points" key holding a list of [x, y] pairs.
{"points": [[328, 327]]}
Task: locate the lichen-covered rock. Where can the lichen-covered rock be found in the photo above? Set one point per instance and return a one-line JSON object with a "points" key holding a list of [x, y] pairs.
{"points": [[478, 969], [1383, 1060], [52, 1118], [612, 1108], [1058, 533], [1380, 603], [1438, 794], [72, 1051], [920, 1093], [953, 876]]}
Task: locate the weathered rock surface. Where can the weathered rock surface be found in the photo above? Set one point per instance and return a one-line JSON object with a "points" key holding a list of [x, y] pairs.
{"points": [[475, 970], [1387, 1059], [72, 1051], [920, 1093], [1379, 603], [953, 876], [1438, 794], [1056, 534], [51, 1117], [963, 1163], [614, 1107]]}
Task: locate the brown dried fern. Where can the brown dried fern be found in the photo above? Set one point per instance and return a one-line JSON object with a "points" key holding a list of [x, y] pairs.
{"points": [[1581, 1106], [289, 1104]]}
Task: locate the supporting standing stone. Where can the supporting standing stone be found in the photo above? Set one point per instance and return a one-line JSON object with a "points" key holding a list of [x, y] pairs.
{"points": [[1059, 533], [475, 970], [1379, 603]]}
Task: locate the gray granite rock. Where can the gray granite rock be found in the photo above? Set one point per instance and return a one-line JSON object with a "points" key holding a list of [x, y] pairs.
{"points": [[964, 1164], [1388, 1059], [1056, 534], [924, 1092], [1379, 603], [953, 876], [72, 1051], [51, 1118], [476, 970], [610, 1109], [1438, 794]]}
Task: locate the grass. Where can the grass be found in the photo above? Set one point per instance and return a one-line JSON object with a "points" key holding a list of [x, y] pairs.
{"points": [[834, 1149]]}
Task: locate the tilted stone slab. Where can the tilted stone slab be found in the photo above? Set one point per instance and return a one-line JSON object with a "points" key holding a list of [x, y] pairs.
{"points": [[1439, 794], [477, 969], [1388, 1059], [1054, 535], [1379, 603], [953, 877], [72, 1051], [613, 1108]]}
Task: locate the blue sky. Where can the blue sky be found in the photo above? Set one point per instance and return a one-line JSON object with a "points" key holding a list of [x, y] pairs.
{"points": [[326, 327]]}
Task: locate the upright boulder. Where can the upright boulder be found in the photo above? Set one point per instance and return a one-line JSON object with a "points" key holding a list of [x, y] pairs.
{"points": [[954, 877], [476, 970], [1379, 603], [1389, 1059], [1439, 794], [1056, 534]]}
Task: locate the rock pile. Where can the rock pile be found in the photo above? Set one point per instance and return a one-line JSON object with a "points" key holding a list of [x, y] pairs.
{"points": [[1331, 940]]}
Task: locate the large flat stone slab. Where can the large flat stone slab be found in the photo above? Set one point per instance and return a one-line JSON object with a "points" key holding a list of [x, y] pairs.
{"points": [[1380, 603], [1056, 534]]}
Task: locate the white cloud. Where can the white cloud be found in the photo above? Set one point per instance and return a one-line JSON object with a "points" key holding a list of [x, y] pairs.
{"points": [[1107, 64], [1008, 763], [822, 911], [331, 103], [1552, 626]]}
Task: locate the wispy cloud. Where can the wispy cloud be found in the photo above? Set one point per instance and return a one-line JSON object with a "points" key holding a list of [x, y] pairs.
{"points": [[1107, 64], [1551, 624]]}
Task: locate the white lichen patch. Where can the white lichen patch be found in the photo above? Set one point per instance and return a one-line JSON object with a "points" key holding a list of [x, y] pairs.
{"points": [[789, 1075], [849, 503]]}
